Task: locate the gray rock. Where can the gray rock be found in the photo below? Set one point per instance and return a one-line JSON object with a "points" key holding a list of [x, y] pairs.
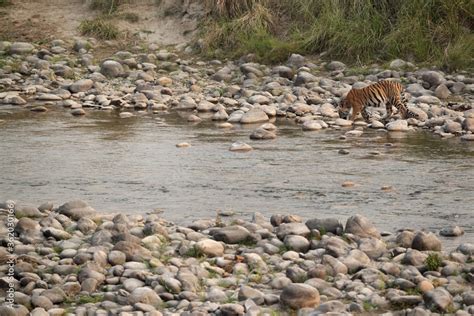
{"points": [[255, 115], [295, 60], [57, 234], [336, 66], [438, 299], [373, 247], [246, 292], [311, 126], [414, 258], [144, 295], [55, 295], [405, 238], [240, 147], [215, 294], [41, 301], [304, 77], [326, 225], [116, 257], [426, 241], [298, 296], [283, 71], [38, 311], [397, 64], [434, 78], [296, 243], [81, 85], [111, 68], [292, 229], [28, 230], [428, 99], [451, 231], [397, 126], [77, 209], [86, 225], [210, 248], [259, 99], [442, 92], [332, 307], [466, 248], [468, 124], [262, 134], [78, 112], [416, 90], [27, 211], [21, 48], [133, 251], [231, 309], [231, 234], [361, 226], [81, 44], [355, 260]]}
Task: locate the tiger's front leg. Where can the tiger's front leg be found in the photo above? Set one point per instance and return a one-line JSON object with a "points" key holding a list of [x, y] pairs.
{"points": [[388, 114], [366, 114]]}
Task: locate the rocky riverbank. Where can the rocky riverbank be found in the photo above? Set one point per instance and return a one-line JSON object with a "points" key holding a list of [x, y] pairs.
{"points": [[149, 80], [72, 260]]}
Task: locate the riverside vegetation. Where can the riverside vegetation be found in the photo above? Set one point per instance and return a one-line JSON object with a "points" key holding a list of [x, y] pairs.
{"points": [[71, 260]]}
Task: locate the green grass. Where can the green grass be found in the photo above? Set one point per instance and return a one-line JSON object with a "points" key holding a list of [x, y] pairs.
{"points": [[433, 261], [355, 31], [100, 28]]}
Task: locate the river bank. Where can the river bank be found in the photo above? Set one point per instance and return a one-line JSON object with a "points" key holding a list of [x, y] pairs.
{"points": [[73, 260]]}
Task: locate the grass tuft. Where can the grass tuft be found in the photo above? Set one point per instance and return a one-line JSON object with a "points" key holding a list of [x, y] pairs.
{"points": [[99, 28], [433, 261], [356, 31], [105, 6]]}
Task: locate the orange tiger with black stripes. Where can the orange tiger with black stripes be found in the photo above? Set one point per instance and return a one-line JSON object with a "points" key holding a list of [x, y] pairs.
{"points": [[385, 92]]}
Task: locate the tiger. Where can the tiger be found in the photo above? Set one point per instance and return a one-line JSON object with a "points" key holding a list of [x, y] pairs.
{"points": [[385, 92]]}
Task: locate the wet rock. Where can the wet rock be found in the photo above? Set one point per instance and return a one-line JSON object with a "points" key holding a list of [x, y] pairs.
{"points": [[255, 115], [240, 146], [342, 122], [78, 112], [466, 248], [361, 226], [451, 231], [397, 126], [438, 299], [426, 241], [262, 134], [298, 296], [210, 248], [311, 126]]}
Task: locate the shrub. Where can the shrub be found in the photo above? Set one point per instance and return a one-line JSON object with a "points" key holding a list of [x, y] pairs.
{"points": [[433, 261], [99, 28]]}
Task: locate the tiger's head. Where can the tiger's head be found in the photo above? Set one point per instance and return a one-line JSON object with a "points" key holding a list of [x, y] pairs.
{"points": [[344, 108]]}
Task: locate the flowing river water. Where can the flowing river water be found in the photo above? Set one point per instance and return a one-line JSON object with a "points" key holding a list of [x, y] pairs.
{"points": [[132, 165]]}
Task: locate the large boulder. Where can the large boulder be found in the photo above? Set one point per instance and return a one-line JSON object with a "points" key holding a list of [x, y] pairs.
{"points": [[426, 241], [81, 85], [210, 248], [255, 115], [361, 226], [326, 225], [77, 209], [21, 48], [111, 68]]}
